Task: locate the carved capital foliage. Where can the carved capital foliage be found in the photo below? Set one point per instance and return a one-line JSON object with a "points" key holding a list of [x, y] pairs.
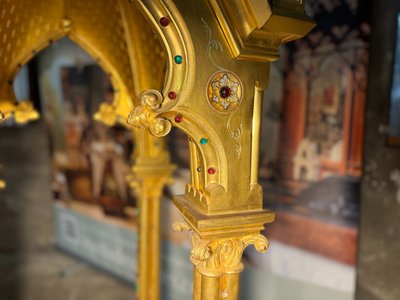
{"points": [[145, 115], [215, 257], [146, 188], [22, 112]]}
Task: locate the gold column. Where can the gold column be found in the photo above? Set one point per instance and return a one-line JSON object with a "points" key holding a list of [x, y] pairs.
{"points": [[149, 238], [150, 173]]}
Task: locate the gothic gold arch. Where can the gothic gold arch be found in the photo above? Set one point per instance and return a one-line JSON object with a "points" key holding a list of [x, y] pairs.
{"points": [[217, 88], [180, 78], [118, 38], [99, 27]]}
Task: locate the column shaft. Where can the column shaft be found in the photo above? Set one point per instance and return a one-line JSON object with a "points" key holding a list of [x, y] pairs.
{"points": [[149, 247], [210, 288]]}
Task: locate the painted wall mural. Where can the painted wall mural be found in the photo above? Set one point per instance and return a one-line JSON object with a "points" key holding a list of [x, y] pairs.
{"points": [[313, 178]]}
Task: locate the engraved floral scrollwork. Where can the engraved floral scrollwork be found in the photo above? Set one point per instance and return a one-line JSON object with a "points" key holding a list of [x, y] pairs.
{"points": [[236, 134], [223, 256], [212, 44], [145, 116]]}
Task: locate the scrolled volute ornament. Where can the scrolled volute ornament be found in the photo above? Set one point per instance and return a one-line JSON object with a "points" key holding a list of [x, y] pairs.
{"points": [[160, 127], [145, 116], [223, 256], [152, 98], [201, 250]]}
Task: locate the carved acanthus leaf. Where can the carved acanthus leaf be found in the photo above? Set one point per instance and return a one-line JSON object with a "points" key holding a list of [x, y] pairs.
{"points": [[223, 256], [145, 116]]}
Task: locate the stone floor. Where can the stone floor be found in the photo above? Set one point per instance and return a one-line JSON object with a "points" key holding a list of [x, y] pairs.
{"points": [[30, 267]]}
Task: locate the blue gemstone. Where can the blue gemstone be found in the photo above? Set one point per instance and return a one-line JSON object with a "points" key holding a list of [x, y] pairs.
{"points": [[178, 59], [203, 141]]}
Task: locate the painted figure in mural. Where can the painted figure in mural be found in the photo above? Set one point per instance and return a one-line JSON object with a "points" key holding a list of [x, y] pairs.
{"points": [[104, 150], [76, 123], [59, 186], [306, 163]]}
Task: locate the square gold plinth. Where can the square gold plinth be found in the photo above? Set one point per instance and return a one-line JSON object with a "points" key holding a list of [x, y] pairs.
{"points": [[224, 225]]}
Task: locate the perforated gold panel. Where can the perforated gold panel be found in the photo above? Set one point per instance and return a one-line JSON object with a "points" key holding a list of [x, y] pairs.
{"points": [[113, 32], [98, 28], [26, 27], [148, 56]]}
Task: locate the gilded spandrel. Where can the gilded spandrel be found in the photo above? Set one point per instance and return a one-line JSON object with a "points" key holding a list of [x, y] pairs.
{"points": [[200, 66]]}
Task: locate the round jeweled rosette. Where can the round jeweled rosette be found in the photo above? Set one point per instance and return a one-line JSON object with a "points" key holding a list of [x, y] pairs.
{"points": [[224, 91]]}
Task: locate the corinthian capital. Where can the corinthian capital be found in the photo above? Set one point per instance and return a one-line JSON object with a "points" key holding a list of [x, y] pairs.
{"points": [[215, 257]]}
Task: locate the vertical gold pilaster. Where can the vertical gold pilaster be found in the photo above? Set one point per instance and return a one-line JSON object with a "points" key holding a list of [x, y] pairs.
{"points": [[150, 173], [149, 239]]}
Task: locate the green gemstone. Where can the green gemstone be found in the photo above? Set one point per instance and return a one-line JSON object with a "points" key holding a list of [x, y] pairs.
{"points": [[178, 59], [203, 141]]}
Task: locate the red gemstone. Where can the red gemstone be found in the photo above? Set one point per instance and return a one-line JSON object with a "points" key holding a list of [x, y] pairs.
{"points": [[172, 95], [164, 21], [225, 92], [211, 171], [178, 118]]}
